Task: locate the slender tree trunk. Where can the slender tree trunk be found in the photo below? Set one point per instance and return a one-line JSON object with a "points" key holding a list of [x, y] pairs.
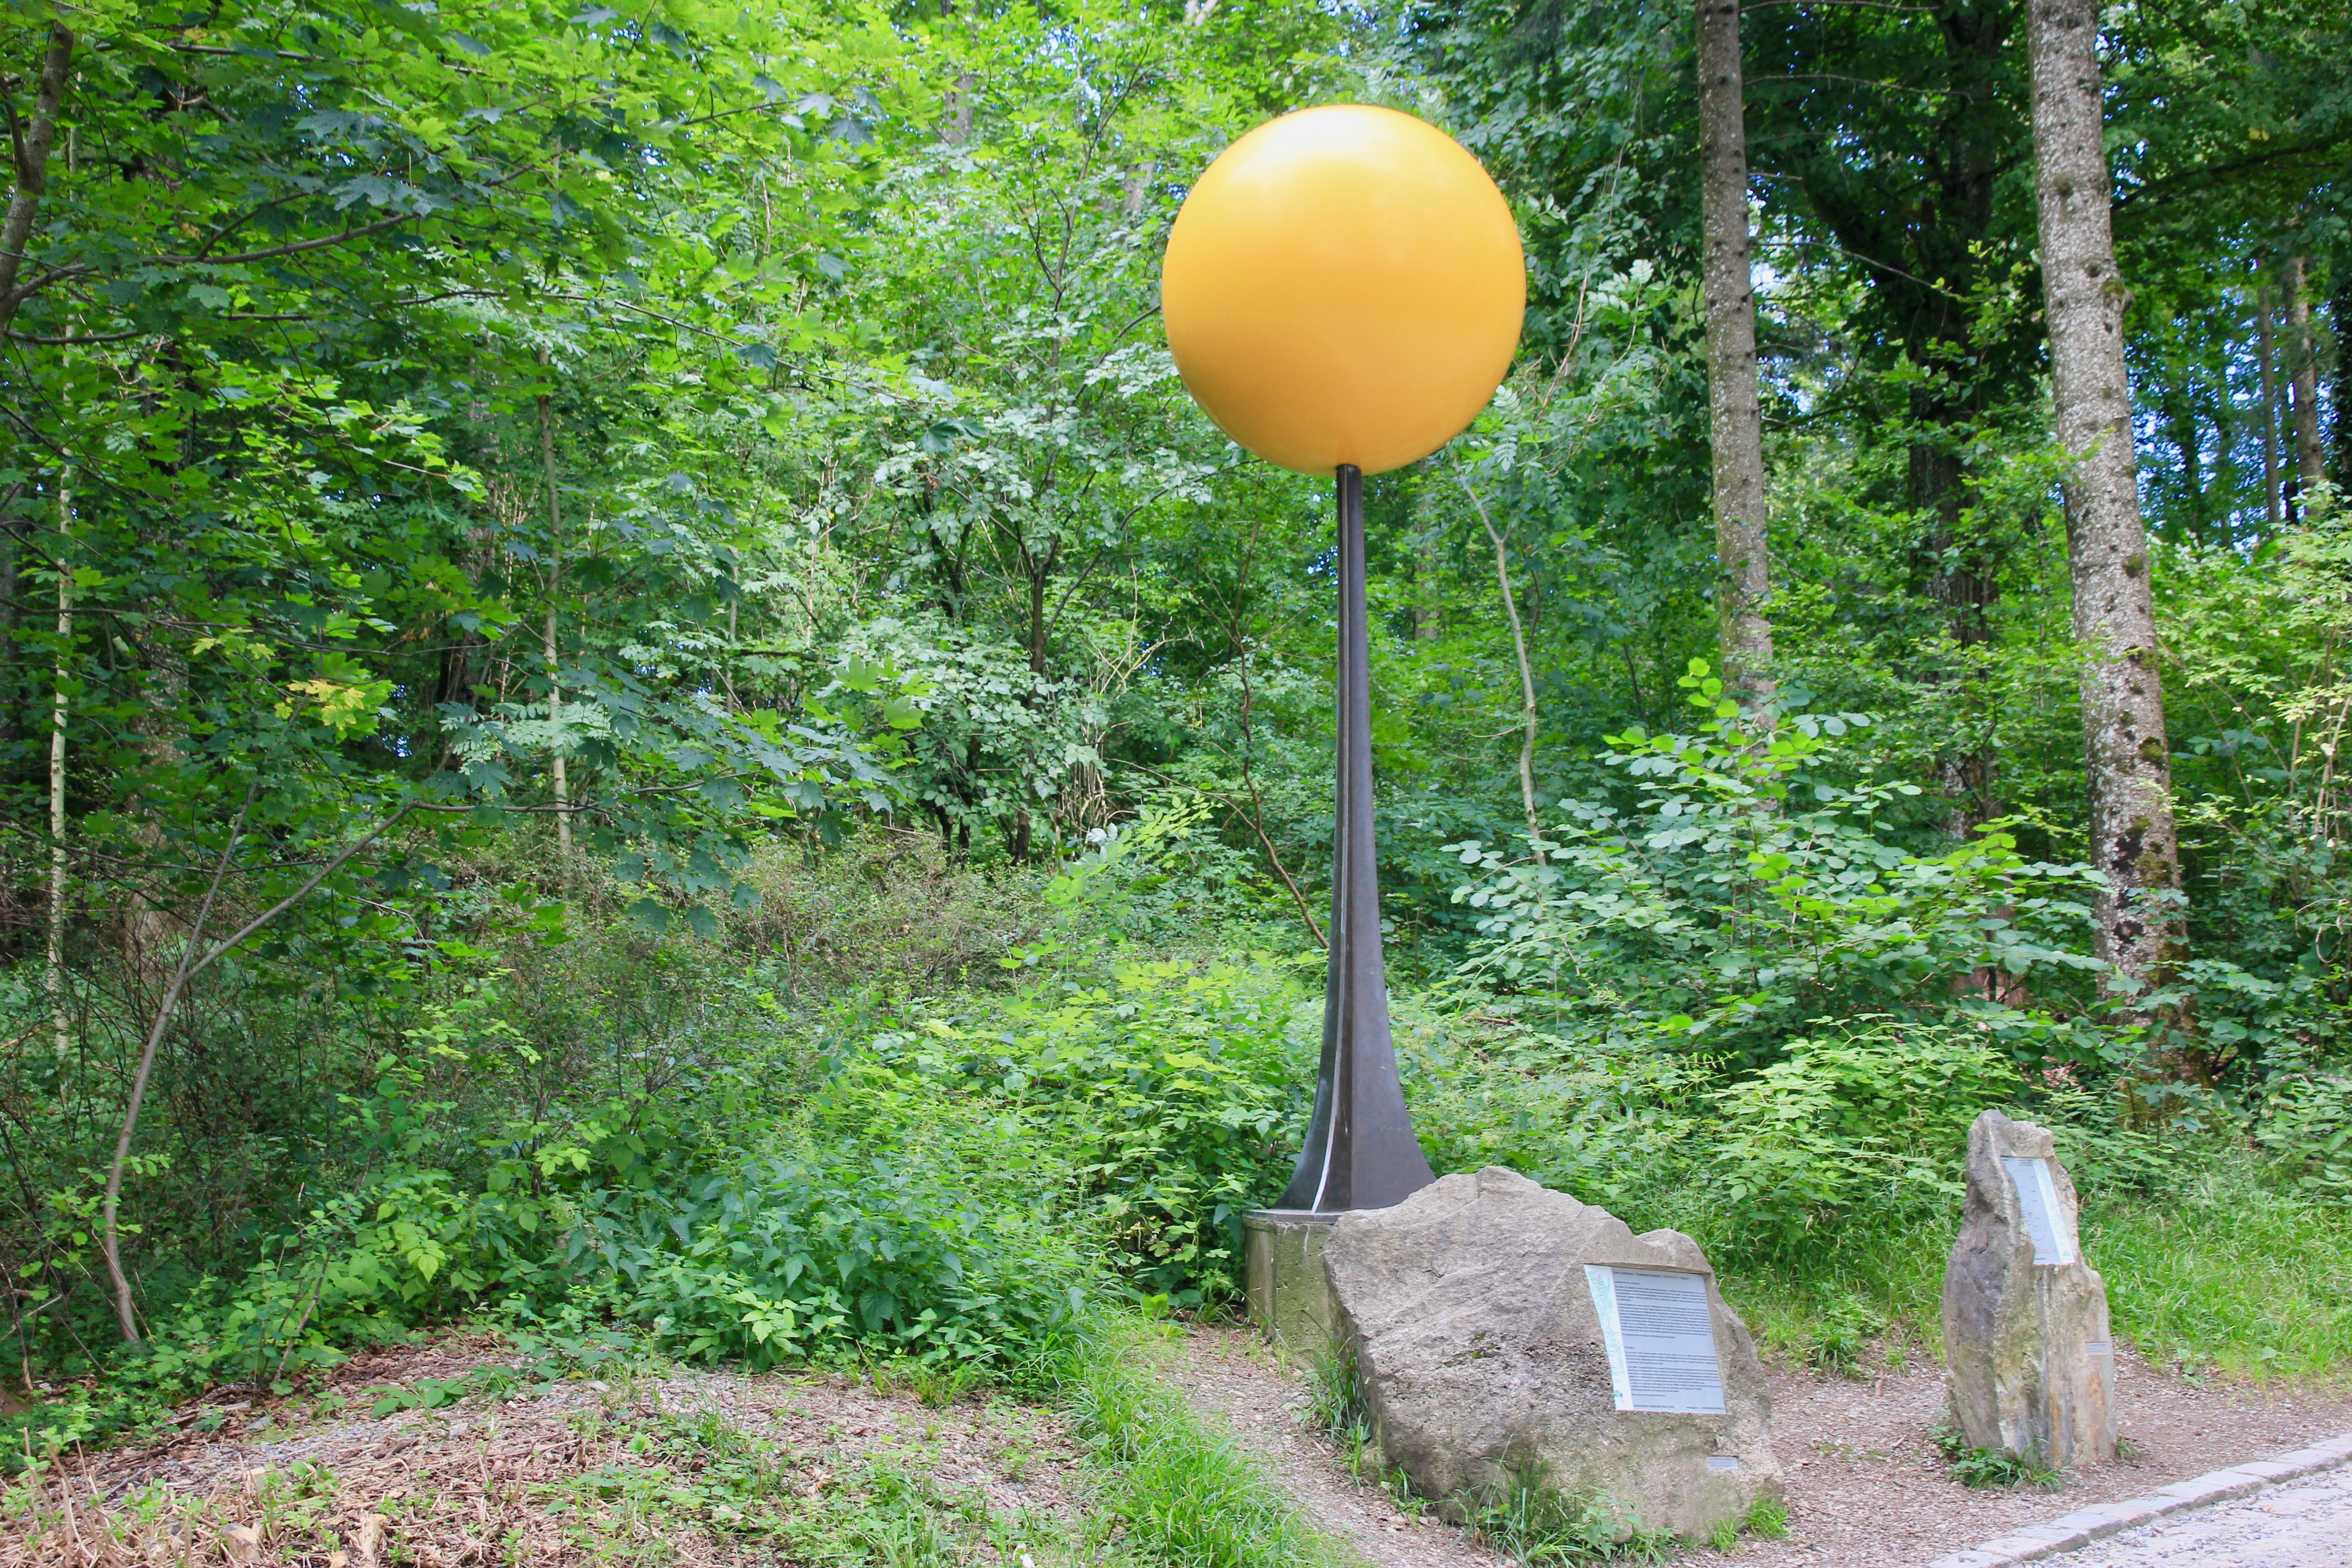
{"points": [[558, 780], [1135, 189], [11, 614], [958, 130], [1744, 577], [1424, 592], [2133, 840], [1040, 573], [31, 156], [1526, 681], [190, 966], [2266, 357], [146, 925], [58, 1020], [2302, 377], [2222, 515], [2339, 322], [1237, 629]]}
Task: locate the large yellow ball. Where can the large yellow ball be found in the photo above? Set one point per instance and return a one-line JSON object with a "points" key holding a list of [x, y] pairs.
{"points": [[1343, 285]]}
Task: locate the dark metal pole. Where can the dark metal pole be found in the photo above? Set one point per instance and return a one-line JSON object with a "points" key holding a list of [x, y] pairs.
{"points": [[1360, 1151]]}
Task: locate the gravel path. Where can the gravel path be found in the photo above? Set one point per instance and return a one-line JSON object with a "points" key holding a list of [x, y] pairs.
{"points": [[2301, 1525], [1866, 1487]]}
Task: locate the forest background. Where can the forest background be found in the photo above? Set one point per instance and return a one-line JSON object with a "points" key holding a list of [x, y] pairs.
{"points": [[632, 699]]}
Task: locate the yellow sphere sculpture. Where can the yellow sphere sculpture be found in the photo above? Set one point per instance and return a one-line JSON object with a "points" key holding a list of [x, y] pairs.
{"points": [[1344, 285]]}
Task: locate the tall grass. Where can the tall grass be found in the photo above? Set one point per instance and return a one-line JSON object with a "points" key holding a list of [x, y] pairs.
{"points": [[2223, 1269], [1189, 1497], [2227, 1270]]}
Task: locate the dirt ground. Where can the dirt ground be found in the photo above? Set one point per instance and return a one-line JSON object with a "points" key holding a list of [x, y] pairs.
{"points": [[562, 1473], [550, 1476], [1866, 1487]]}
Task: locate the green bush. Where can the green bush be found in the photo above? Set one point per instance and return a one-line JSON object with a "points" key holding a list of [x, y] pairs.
{"points": [[2306, 1124], [1169, 1090], [1860, 1128], [1850, 1132], [1748, 894]]}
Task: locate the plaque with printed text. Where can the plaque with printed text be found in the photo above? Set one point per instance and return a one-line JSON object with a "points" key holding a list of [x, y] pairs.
{"points": [[1660, 1336], [2038, 1197]]}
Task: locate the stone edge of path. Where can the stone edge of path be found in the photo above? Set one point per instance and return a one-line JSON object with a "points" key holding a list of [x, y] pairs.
{"points": [[2084, 1526]]}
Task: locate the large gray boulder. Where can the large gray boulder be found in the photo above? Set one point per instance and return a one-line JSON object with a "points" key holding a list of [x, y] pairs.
{"points": [[2029, 1360], [1474, 1310]]}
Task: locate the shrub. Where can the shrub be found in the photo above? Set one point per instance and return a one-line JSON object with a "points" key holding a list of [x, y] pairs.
{"points": [[1843, 1125], [1168, 1090], [2306, 1124], [1746, 894]]}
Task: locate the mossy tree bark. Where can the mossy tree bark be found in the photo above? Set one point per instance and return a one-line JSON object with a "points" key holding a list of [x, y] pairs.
{"points": [[1736, 426], [2133, 839]]}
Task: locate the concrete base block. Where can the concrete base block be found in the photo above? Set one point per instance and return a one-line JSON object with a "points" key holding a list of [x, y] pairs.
{"points": [[1289, 1295]]}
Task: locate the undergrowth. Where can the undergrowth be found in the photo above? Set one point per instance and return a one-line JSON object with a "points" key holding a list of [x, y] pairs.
{"points": [[660, 1478], [587, 1131]]}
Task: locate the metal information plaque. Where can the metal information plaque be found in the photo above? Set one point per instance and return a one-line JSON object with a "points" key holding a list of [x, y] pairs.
{"points": [[1660, 1337], [2038, 1197]]}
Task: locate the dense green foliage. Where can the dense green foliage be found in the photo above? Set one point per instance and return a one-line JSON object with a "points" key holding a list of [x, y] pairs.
{"points": [[784, 768]]}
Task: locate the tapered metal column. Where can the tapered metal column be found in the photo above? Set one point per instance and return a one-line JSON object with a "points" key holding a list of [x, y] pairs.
{"points": [[1360, 1151]]}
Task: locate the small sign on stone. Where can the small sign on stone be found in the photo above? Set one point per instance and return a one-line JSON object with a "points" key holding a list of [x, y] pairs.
{"points": [[2053, 1241], [1660, 1338]]}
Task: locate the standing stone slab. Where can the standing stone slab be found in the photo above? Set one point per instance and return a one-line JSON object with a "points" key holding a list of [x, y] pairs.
{"points": [[2030, 1362], [1506, 1333]]}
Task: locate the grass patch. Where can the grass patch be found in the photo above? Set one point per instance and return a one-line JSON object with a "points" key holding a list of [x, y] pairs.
{"points": [[2226, 1271], [1858, 1309], [1188, 1498], [2223, 1271], [1538, 1526]]}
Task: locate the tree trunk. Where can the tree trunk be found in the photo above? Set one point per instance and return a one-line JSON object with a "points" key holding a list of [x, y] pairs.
{"points": [[958, 130], [2267, 358], [958, 126], [1743, 576], [11, 617], [1136, 189], [2222, 517], [1526, 681], [2339, 319], [61, 673], [1041, 570], [558, 782], [2133, 840], [32, 160], [1426, 591], [2303, 378]]}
